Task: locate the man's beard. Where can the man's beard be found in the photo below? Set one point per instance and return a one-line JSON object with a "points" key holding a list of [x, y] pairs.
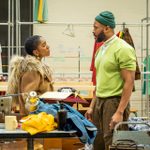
{"points": [[101, 37]]}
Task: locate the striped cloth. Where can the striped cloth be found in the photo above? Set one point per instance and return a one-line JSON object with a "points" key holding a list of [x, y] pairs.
{"points": [[41, 11]]}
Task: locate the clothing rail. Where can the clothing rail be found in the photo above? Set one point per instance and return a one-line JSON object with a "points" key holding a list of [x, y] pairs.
{"points": [[146, 72], [12, 46], [4, 24], [10, 28], [77, 23]]}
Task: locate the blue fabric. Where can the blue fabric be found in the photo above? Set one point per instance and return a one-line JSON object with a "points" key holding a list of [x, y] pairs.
{"points": [[75, 121]]}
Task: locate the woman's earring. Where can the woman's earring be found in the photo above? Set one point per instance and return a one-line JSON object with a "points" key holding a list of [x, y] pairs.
{"points": [[37, 57]]}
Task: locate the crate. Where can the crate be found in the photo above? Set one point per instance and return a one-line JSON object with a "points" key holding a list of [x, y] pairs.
{"points": [[125, 148], [126, 145], [130, 139]]}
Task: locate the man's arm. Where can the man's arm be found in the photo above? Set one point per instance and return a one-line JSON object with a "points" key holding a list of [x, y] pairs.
{"points": [[89, 112], [128, 77]]}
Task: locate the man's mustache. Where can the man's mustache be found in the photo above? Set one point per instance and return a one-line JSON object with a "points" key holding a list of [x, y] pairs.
{"points": [[94, 34]]}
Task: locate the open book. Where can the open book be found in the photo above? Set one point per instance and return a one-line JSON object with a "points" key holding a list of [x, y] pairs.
{"points": [[56, 95], [70, 97]]}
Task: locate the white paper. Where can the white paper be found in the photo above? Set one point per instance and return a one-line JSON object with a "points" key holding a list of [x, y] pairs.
{"points": [[56, 95]]}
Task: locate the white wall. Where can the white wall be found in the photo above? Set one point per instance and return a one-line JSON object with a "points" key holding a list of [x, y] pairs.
{"points": [[84, 11]]}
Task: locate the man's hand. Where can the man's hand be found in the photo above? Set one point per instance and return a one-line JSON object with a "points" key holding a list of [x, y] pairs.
{"points": [[116, 118], [88, 114]]}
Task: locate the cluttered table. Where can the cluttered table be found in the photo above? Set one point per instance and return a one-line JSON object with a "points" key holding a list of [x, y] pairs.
{"points": [[85, 91], [18, 133]]}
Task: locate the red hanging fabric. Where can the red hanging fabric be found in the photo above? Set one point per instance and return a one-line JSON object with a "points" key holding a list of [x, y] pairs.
{"points": [[92, 68]]}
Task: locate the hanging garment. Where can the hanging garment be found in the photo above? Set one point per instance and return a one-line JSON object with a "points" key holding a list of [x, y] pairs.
{"points": [[120, 34], [92, 68], [145, 83], [41, 11], [127, 37]]}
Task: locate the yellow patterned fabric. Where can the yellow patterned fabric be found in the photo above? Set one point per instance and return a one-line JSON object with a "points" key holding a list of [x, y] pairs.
{"points": [[121, 34], [36, 123]]}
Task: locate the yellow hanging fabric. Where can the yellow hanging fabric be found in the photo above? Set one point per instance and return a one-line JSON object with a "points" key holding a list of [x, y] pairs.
{"points": [[121, 34], [41, 11], [36, 123]]}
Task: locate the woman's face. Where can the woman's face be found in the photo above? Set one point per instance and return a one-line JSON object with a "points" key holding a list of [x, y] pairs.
{"points": [[43, 48]]}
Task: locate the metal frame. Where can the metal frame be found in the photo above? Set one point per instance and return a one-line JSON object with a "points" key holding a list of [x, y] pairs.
{"points": [[10, 25], [131, 139], [147, 48], [18, 133]]}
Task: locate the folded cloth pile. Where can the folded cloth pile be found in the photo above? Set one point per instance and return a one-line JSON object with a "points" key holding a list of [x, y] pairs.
{"points": [[86, 131], [35, 123]]}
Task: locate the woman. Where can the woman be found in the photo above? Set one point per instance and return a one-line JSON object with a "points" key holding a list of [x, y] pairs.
{"points": [[30, 73]]}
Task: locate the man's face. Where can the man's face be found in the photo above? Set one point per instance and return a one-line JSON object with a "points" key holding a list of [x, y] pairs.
{"points": [[98, 32]]}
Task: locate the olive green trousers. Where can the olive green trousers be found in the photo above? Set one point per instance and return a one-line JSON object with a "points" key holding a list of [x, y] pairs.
{"points": [[103, 111]]}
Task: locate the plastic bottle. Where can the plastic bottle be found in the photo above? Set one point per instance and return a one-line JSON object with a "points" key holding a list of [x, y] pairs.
{"points": [[61, 117], [32, 101]]}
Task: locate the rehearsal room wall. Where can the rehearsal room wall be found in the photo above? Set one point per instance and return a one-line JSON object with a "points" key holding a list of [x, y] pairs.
{"points": [[71, 40]]}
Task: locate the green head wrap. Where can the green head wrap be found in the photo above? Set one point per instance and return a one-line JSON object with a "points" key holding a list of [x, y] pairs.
{"points": [[106, 18]]}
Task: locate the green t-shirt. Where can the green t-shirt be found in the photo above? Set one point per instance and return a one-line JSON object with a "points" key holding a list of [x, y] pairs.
{"points": [[119, 55]]}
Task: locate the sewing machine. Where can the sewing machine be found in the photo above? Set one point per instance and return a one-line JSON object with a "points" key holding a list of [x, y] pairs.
{"points": [[5, 106]]}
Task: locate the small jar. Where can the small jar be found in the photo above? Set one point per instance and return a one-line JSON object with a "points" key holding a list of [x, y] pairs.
{"points": [[32, 102]]}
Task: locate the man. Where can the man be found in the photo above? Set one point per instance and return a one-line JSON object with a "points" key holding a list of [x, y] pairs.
{"points": [[115, 64]]}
